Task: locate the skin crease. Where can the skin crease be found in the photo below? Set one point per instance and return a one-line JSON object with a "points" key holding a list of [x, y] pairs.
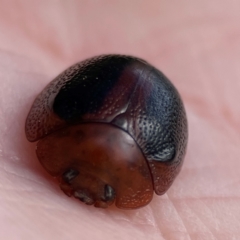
{"points": [[195, 43]]}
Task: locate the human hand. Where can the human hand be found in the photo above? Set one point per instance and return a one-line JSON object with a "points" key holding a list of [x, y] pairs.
{"points": [[196, 44]]}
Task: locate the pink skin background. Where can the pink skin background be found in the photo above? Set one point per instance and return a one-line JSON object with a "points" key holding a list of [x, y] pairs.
{"points": [[195, 43]]}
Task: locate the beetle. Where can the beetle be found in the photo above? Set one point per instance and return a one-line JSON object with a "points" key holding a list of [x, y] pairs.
{"points": [[111, 129]]}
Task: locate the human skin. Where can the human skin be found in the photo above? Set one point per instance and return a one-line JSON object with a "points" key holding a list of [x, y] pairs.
{"points": [[195, 43]]}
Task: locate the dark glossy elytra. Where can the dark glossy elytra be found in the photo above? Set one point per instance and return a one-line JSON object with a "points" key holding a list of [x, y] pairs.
{"points": [[112, 129]]}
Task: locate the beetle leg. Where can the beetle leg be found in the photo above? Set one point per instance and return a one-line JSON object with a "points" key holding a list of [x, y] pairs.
{"points": [[69, 175]]}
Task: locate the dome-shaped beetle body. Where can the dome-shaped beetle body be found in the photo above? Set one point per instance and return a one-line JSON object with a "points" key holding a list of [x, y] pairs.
{"points": [[112, 129]]}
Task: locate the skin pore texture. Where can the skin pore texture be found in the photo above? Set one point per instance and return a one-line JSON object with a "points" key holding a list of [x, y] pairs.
{"points": [[195, 43]]}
